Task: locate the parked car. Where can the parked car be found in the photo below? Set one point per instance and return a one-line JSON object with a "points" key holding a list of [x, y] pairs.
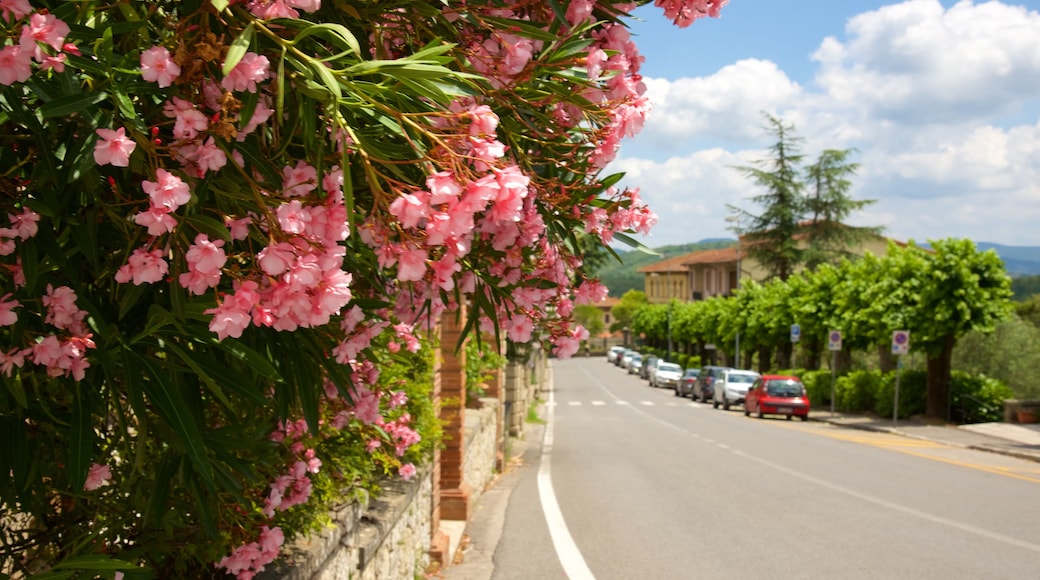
{"points": [[614, 353], [685, 385], [777, 395], [635, 364], [731, 388], [703, 389], [626, 356], [649, 366], [666, 375]]}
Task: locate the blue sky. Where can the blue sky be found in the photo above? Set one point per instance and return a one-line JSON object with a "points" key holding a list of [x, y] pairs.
{"points": [[940, 99]]}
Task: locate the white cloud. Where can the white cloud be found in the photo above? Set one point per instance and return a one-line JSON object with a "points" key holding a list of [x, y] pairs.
{"points": [[922, 92]]}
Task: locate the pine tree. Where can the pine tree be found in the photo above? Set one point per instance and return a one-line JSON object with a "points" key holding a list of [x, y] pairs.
{"points": [[828, 238], [771, 237]]}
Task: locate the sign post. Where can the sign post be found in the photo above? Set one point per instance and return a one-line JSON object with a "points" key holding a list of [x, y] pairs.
{"points": [[900, 346], [834, 345], [796, 335]]}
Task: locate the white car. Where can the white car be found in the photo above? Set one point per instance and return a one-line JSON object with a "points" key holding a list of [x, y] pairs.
{"points": [[732, 387], [635, 364], [667, 375], [614, 353]]}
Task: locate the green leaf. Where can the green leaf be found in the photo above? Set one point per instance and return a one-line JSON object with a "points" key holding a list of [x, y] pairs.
{"points": [[216, 230], [220, 5], [67, 105], [174, 410], [336, 33], [254, 359], [238, 48], [81, 443]]}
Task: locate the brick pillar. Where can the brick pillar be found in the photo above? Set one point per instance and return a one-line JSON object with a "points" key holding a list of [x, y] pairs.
{"points": [[439, 541], [454, 492]]}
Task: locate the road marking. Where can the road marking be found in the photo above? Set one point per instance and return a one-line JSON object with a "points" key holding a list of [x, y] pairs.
{"points": [[598, 403], [566, 550], [647, 403], [576, 403]]}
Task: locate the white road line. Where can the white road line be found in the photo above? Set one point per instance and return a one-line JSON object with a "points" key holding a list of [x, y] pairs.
{"points": [[647, 403], [598, 403], [575, 403], [566, 550]]}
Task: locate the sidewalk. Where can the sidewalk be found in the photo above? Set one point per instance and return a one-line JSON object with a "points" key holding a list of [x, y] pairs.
{"points": [[1013, 439]]}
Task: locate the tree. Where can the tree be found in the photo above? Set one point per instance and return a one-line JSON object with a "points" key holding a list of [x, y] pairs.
{"points": [[828, 205], [962, 290], [624, 311], [770, 237], [591, 317]]}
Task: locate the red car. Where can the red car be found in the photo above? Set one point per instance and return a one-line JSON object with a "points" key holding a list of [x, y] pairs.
{"points": [[777, 395]]}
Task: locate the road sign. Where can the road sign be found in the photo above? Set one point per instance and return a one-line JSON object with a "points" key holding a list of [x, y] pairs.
{"points": [[834, 340], [796, 332], [901, 342]]}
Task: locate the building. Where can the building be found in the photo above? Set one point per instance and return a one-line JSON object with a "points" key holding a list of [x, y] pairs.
{"points": [[707, 273]]}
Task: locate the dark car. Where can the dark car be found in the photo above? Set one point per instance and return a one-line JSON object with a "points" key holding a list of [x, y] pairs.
{"points": [[650, 361], [685, 385], [704, 388], [777, 395]]}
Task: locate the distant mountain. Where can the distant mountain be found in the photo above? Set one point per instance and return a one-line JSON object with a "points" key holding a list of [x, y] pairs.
{"points": [[620, 277], [1019, 260]]}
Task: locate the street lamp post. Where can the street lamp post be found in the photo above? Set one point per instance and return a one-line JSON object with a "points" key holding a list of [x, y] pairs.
{"points": [[736, 345], [670, 303]]}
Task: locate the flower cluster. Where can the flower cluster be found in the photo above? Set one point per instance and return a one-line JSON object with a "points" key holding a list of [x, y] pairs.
{"points": [[240, 200]]}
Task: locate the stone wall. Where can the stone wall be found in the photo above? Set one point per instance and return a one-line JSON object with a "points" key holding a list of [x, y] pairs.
{"points": [[481, 445], [385, 537], [388, 536]]}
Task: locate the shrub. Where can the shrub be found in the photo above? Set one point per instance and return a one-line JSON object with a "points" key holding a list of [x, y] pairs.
{"points": [[856, 392], [818, 387], [977, 398], [912, 391]]}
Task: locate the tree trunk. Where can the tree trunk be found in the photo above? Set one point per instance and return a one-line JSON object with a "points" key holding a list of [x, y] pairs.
{"points": [[763, 359], [813, 351], [886, 360], [937, 401], [783, 355]]}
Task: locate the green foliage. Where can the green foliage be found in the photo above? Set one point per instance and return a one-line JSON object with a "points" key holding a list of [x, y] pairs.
{"points": [[1029, 310], [1025, 287], [591, 318], [482, 361], [818, 387], [1009, 354], [976, 398], [624, 312], [912, 392], [857, 392]]}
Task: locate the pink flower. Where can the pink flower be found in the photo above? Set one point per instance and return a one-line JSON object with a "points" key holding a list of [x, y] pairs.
{"points": [[143, 267], [206, 256], [411, 265], [98, 476], [15, 9], [239, 228], [252, 69], [157, 219], [409, 210], [277, 258], [114, 148], [7, 314], [157, 66], [44, 28], [407, 471], [167, 191], [15, 65], [228, 320], [62, 311], [13, 358]]}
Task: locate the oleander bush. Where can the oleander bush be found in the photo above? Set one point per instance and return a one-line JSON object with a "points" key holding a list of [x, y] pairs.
{"points": [[229, 226]]}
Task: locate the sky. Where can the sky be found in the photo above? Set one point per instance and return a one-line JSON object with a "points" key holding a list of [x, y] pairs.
{"points": [[939, 99]]}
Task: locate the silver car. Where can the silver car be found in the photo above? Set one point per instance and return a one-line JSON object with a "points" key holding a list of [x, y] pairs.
{"points": [[667, 375], [731, 387]]}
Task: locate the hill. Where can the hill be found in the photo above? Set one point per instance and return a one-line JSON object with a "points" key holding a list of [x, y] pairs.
{"points": [[1019, 260], [620, 277]]}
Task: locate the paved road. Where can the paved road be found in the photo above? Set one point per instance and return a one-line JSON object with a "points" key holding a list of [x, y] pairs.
{"points": [[630, 482]]}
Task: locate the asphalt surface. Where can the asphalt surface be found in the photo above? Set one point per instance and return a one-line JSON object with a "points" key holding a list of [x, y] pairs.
{"points": [[474, 560]]}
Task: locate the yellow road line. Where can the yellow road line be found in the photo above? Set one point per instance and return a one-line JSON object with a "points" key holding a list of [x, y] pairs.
{"points": [[904, 445]]}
